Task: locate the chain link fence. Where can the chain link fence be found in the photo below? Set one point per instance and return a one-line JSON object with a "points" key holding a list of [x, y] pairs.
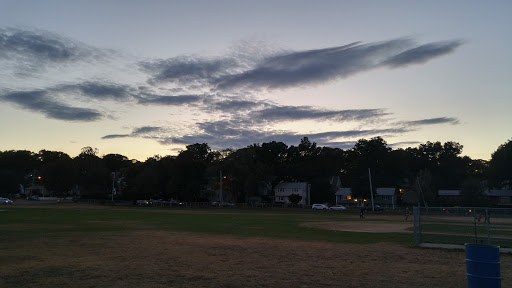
{"points": [[460, 225]]}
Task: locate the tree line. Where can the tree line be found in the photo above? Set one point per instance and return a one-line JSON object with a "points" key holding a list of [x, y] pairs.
{"points": [[248, 171]]}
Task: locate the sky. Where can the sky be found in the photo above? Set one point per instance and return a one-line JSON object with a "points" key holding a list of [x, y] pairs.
{"points": [[145, 78]]}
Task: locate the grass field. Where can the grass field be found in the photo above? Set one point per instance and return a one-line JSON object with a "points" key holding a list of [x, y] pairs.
{"points": [[79, 245], [460, 229]]}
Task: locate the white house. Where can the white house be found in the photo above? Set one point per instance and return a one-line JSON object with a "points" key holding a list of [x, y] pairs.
{"points": [[285, 189], [344, 197]]}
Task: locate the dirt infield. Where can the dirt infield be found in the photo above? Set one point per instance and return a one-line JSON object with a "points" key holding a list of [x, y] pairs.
{"points": [[172, 259]]}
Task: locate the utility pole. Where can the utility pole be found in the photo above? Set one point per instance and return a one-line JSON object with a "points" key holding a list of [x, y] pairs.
{"points": [[220, 195], [113, 186], [371, 188]]}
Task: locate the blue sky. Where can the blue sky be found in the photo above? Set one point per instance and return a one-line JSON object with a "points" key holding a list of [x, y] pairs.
{"points": [[141, 78]]}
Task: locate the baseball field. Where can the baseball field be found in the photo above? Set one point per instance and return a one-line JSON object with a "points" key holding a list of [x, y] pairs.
{"points": [[82, 245]]}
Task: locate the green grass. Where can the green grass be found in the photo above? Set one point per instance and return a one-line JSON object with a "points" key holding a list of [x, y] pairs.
{"points": [[465, 232], [32, 222]]}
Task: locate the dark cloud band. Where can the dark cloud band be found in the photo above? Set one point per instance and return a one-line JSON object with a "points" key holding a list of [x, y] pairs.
{"points": [[39, 102]]}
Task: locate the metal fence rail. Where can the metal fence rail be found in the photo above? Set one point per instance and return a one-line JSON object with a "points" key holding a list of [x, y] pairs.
{"points": [[460, 225]]}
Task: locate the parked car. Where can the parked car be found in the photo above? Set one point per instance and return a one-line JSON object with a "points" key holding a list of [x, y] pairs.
{"points": [[34, 198], [338, 208], [174, 202], [143, 202], [227, 204], [156, 202], [319, 207], [5, 201]]}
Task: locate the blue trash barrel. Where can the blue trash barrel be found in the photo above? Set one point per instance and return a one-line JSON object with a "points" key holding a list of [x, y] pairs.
{"points": [[483, 266]]}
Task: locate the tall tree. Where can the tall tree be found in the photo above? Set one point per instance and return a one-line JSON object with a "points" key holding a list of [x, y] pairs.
{"points": [[57, 171], [500, 166], [15, 165], [94, 178], [370, 154]]}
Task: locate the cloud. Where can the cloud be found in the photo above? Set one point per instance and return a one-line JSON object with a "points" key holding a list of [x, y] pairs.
{"points": [[146, 129], [52, 101], [232, 133], [38, 101], [187, 69], [262, 111], [291, 69], [169, 100], [433, 121], [114, 136], [234, 104], [221, 136], [423, 53], [35, 50], [141, 132], [241, 131], [286, 113], [229, 88], [403, 144], [95, 90]]}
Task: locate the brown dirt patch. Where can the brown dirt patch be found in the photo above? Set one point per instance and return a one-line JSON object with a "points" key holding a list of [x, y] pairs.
{"points": [[172, 259], [363, 226]]}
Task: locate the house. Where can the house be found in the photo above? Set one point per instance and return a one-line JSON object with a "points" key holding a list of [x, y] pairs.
{"points": [[37, 190], [385, 197], [450, 197], [285, 189], [499, 197], [344, 197]]}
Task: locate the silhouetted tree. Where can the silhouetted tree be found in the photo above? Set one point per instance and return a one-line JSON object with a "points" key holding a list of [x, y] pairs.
{"points": [[294, 199], [58, 173], [500, 166]]}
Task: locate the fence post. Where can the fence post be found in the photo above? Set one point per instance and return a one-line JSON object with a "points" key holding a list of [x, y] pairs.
{"points": [[417, 227]]}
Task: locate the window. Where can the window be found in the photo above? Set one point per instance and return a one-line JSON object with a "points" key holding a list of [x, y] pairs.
{"points": [[386, 197]]}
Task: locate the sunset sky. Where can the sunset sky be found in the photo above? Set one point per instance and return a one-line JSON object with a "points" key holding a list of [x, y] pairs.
{"points": [[142, 78]]}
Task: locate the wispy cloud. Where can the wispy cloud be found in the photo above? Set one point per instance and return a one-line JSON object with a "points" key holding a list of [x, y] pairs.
{"points": [[39, 101], [168, 100], [186, 70], [234, 104], [287, 113], [239, 133], [433, 121], [226, 89], [33, 50], [95, 90], [296, 68], [403, 144], [423, 53], [141, 132]]}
